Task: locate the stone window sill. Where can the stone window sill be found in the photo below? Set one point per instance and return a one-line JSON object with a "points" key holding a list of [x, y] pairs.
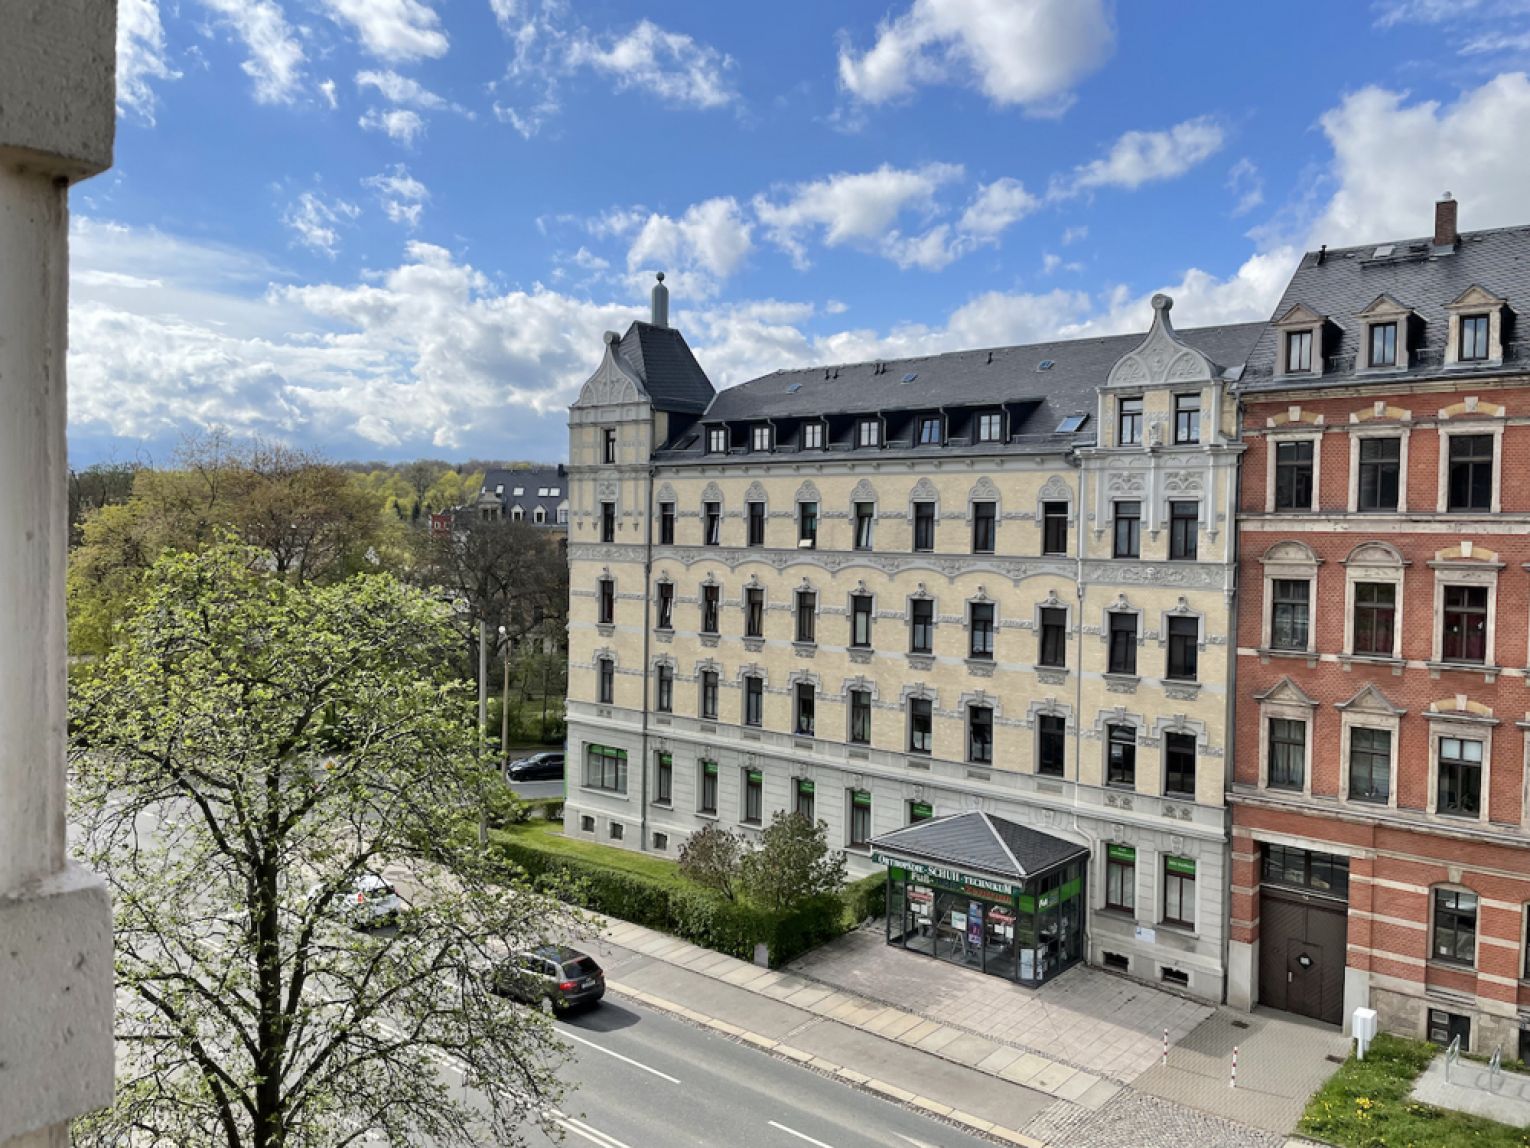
{"points": [[1179, 928], [1122, 683], [1489, 672]]}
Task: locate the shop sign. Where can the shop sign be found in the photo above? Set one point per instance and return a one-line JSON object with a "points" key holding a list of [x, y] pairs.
{"points": [[860, 797], [945, 874], [1180, 865], [1121, 853], [920, 811], [756, 777], [804, 787], [1065, 892], [709, 768]]}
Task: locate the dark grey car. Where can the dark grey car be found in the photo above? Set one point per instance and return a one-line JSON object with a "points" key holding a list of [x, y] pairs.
{"points": [[562, 976], [544, 766]]}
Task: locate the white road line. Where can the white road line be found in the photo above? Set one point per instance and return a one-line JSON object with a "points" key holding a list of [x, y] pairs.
{"points": [[593, 1135], [916, 1143], [799, 1135], [626, 1059]]}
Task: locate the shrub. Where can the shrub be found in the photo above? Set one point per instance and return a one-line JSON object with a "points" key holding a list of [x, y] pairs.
{"points": [[793, 863], [712, 857], [866, 899]]}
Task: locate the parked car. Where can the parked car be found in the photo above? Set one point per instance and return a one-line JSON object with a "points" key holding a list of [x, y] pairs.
{"points": [[544, 766], [564, 977], [370, 903]]}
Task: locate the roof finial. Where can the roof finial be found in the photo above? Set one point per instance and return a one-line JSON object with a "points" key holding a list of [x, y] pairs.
{"points": [[660, 301]]}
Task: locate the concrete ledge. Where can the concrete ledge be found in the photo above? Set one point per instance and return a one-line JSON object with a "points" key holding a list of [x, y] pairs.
{"points": [[58, 85], [56, 1051]]}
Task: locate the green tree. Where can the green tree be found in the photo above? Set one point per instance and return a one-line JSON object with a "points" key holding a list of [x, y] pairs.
{"points": [[711, 857], [253, 747], [793, 862]]}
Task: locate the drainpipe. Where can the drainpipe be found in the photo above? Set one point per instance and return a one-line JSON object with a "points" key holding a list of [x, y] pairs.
{"points": [[1078, 659], [1229, 738], [647, 639]]}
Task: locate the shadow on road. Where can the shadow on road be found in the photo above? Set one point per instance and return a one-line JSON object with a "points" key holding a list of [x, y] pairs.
{"points": [[604, 1017]]}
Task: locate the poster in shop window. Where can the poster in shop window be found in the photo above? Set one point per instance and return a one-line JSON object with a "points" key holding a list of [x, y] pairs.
{"points": [[975, 924]]}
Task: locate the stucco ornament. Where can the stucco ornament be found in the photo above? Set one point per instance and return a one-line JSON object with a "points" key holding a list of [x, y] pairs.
{"points": [[1161, 357], [613, 382]]}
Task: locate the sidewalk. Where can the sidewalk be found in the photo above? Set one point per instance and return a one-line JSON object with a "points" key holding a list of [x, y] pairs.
{"points": [[1469, 1087]]}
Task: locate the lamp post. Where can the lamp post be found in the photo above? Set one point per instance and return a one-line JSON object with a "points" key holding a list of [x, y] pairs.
{"points": [[483, 726], [504, 706]]}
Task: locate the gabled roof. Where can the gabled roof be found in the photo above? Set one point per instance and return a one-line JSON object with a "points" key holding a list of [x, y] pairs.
{"points": [[982, 842], [671, 375]]}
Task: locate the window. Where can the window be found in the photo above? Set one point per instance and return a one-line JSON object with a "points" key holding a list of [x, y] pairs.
{"points": [[616, 830], [1121, 878], [1184, 531], [1383, 345], [1380, 473], [1123, 643], [664, 779], [717, 440], [1051, 744], [666, 523], [1178, 764], [712, 517], [1288, 754], [760, 440], [708, 799], [860, 819], [1128, 422], [929, 430], [756, 524], [1184, 648], [1320, 872], [1187, 419], [661, 841], [609, 455], [803, 804], [664, 700], [812, 436], [980, 623], [860, 717], [605, 768], [709, 694], [805, 697], [921, 626], [979, 734], [1370, 765], [865, 516], [539, 515], [1465, 624], [754, 796], [1054, 527], [807, 615], [1298, 352], [1289, 613], [562, 516], [1471, 472], [984, 523], [919, 811], [1455, 926], [920, 729], [606, 685], [1128, 538], [754, 701], [1054, 637], [924, 526], [1121, 756], [1179, 891], [807, 525], [990, 427], [1474, 338], [608, 522], [607, 613], [1460, 779], [860, 620], [754, 613], [1445, 1027], [1293, 475], [666, 609], [709, 600], [1375, 617], [868, 432], [587, 824]]}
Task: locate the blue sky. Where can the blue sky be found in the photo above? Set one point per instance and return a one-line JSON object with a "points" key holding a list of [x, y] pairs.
{"points": [[395, 228]]}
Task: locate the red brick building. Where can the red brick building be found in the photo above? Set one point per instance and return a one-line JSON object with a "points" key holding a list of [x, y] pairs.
{"points": [[1381, 832]]}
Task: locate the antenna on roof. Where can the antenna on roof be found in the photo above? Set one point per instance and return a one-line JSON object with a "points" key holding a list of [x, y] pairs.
{"points": [[990, 358]]}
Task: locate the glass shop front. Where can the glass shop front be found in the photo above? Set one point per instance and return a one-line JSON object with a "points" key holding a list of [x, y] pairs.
{"points": [[1028, 932]]}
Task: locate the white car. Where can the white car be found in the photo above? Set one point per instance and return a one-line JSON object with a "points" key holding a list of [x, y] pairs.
{"points": [[370, 903]]}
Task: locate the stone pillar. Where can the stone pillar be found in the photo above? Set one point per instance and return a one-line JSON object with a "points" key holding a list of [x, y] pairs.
{"points": [[57, 121]]}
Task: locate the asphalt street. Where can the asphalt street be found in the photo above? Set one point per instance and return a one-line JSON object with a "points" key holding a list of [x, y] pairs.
{"points": [[530, 790]]}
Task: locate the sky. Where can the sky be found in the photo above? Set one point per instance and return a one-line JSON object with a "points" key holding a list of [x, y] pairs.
{"points": [[392, 229]]}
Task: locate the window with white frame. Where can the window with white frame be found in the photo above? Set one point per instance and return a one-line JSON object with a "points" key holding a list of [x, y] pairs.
{"points": [[1383, 345], [1179, 891], [1373, 577], [1378, 479], [812, 436], [868, 432], [1287, 717], [1469, 478], [1287, 753], [1454, 932], [990, 427], [717, 440], [1290, 578], [761, 438], [1295, 473], [1370, 765], [1459, 777]]}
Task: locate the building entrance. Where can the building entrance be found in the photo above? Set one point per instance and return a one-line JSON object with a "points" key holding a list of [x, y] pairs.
{"points": [[1301, 955]]}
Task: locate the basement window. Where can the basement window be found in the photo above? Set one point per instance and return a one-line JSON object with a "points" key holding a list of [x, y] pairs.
{"points": [[1174, 977], [1118, 962]]}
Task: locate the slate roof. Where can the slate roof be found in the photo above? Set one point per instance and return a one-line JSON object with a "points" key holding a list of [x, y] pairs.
{"points": [[985, 377], [1346, 281], [530, 481], [670, 373], [983, 843]]}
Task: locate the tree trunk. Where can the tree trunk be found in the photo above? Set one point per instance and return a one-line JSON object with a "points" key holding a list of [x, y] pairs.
{"points": [[270, 1125]]}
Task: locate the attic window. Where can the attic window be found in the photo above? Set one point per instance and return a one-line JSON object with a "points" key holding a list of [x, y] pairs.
{"points": [[1383, 252], [500, 489], [793, 388], [517, 492], [1298, 352], [554, 491], [1045, 365], [717, 440], [911, 376], [1072, 424]]}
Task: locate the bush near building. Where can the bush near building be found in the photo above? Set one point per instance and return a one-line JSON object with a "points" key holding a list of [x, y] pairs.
{"points": [[651, 891]]}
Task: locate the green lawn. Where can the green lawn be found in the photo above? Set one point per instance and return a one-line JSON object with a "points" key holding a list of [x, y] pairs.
{"points": [[548, 835], [1366, 1104]]}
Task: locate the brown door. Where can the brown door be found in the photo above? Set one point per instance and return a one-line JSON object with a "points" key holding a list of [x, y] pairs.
{"points": [[1301, 954], [1304, 978]]}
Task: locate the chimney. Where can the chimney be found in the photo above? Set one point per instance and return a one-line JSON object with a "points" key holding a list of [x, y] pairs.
{"points": [[1445, 234], [660, 303]]}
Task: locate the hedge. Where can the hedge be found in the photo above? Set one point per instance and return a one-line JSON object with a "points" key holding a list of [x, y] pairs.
{"points": [[650, 892]]}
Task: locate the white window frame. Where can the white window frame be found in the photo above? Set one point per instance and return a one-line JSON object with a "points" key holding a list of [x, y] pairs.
{"points": [[1352, 717], [712, 437], [1274, 436], [1291, 708], [1450, 430], [761, 439], [1467, 727], [1294, 569], [816, 427], [1399, 433], [861, 424], [1465, 572], [1362, 566]]}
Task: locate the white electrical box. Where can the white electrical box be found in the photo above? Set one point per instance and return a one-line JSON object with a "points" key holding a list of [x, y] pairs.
{"points": [[1363, 1029]]}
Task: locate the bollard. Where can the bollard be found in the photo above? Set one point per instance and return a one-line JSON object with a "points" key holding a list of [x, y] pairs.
{"points": [[1232, 1081], [1166, 1048]]}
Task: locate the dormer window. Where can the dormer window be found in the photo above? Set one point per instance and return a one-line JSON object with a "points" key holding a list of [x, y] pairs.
{"points": [[929, 430], [1478, 321], [717, 440], [1383, 345], [990, 427], [1298, 352], [760, 441], [1474, 339], [812, 436], [868, 432]]}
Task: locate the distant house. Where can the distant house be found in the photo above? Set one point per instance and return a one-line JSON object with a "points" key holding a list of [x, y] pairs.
{"points": [[537, 495]]}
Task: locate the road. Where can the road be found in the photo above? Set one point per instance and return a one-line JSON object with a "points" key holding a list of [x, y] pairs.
{"points": [[531, 790]]}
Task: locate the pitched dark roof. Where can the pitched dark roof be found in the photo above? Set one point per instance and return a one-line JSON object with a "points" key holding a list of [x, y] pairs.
{"points": [[1341, 284], [503, 483], [982, 842], [670, 373]]}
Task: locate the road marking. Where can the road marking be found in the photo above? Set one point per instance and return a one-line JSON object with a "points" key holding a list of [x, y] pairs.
{"points": [[593, 1135], [911, 1140], [626, 1059], [800, 1135]]}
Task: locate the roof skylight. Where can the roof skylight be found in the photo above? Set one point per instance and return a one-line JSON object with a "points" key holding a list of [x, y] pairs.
{"points": [[1071, 424]]}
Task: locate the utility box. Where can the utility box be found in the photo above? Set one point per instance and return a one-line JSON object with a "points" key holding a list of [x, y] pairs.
{"points": [[1363, 1027]]}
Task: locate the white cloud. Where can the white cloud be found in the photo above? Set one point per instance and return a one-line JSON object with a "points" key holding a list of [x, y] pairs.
{"points": [[401, 195], [1245, 182], [1027, 54], [996, 206], [141, 57], [276, 56], [1073, 235], [397, 89], [670, 65], [1393, 159], [393, 29], [1139, 157], [317, 224], [327, 89], [1393, 12], [401, 124], [705, 245]]}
